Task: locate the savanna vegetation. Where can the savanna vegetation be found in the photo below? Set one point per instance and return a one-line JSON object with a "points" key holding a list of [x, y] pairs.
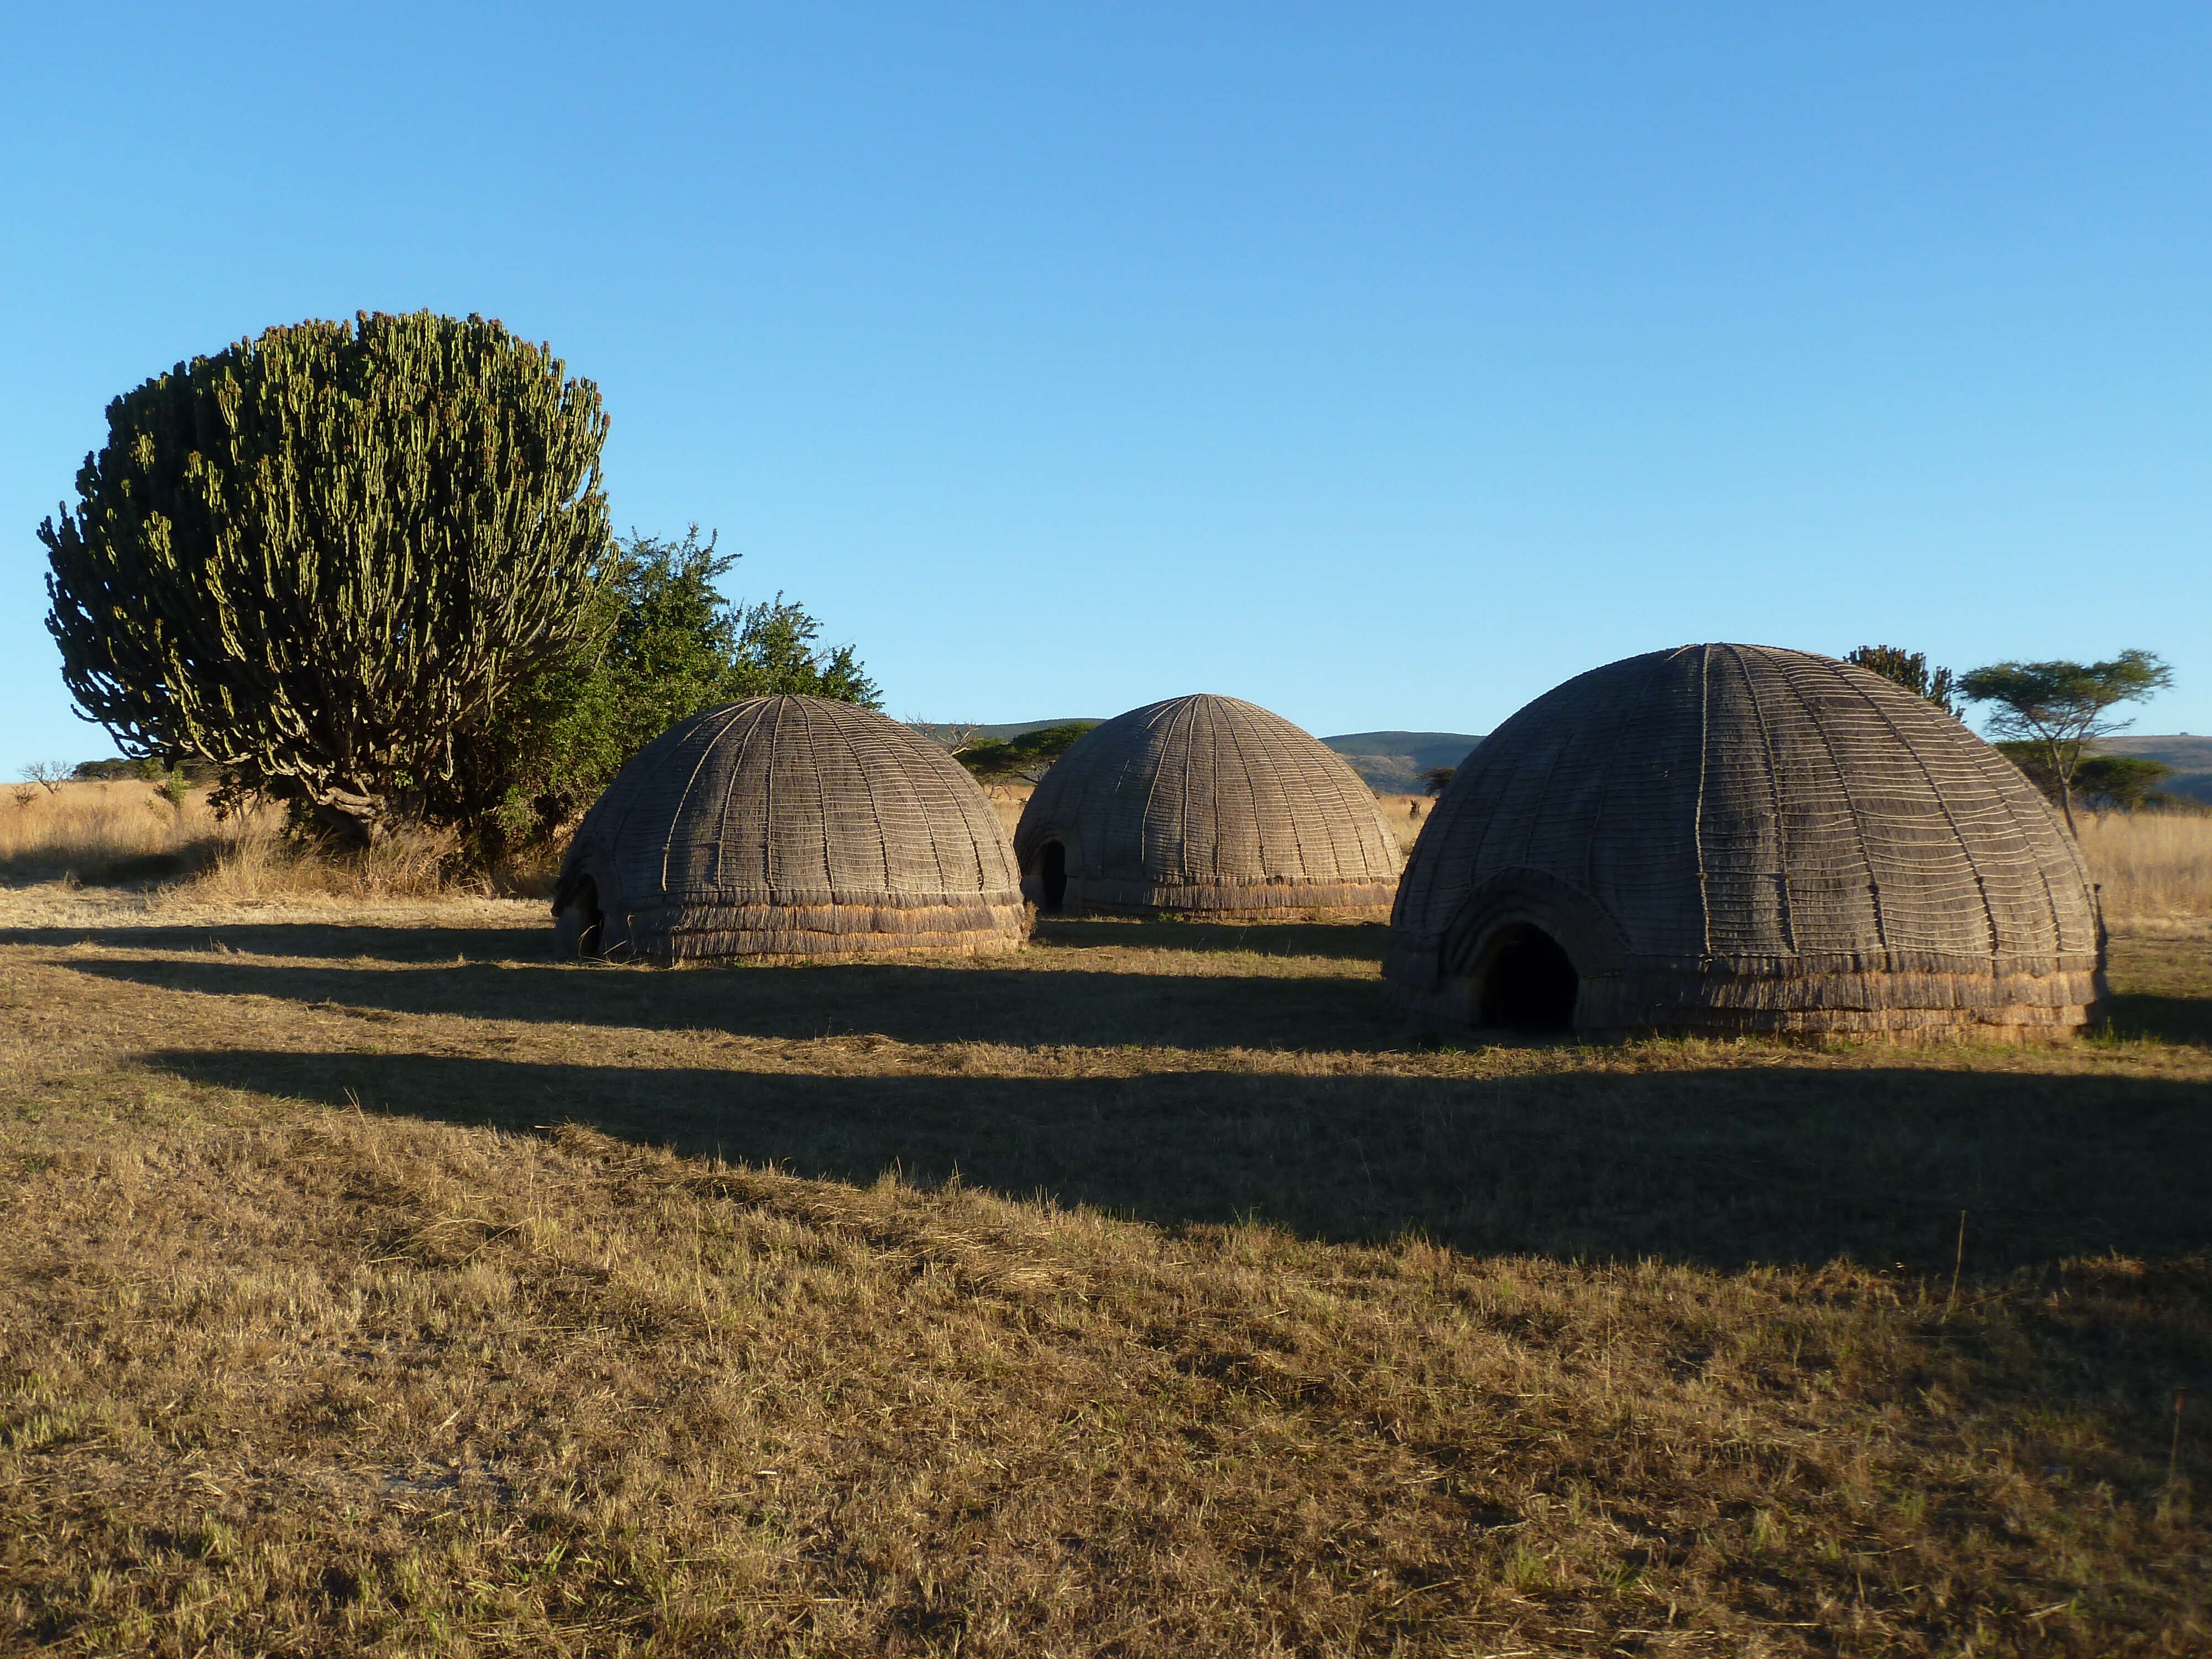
{"points": [[364, 570], [1024, 758], [372, 1283]]}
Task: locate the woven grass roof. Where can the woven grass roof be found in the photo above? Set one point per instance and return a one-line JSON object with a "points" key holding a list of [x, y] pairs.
{"points": [[793, 826], [1207, 804], [1733, 837]]}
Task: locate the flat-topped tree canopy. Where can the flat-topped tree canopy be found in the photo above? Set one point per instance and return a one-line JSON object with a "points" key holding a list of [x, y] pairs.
{"points": [[790, 827], [1206, 804], [1734, 838]]}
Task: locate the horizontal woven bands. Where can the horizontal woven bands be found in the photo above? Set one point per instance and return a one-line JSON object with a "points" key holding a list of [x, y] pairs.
{"points": [[1889, 1025], [1635, 999], [748, 897], [1415, 964], [797, 946], [1083, 892], [833, 918], [693, 933], [1607, 1010]]}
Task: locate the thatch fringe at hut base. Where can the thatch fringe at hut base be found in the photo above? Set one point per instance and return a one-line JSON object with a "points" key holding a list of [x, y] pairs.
{"points": [[1902, 1008], [1258, 900], [813, 931]]}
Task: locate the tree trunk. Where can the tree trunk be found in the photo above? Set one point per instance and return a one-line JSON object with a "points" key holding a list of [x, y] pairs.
{"points": [[351, 818], [2064, 775]]}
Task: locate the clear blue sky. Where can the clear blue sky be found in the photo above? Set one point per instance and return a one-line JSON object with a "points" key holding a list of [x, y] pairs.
{"points": [[1383, 365]]}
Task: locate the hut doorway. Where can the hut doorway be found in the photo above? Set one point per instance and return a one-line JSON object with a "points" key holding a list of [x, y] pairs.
{"points": [[1052, 876], [1524, 981], [583, 928]]}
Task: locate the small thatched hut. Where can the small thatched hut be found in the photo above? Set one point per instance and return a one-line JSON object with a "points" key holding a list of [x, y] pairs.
{"points": [[1209, 806], [1729, 838], [789, 827]]}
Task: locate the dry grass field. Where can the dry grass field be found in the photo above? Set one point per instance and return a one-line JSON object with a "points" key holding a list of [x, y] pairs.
{"points": [[2152, 866], [370, 1282], [127, 834]]}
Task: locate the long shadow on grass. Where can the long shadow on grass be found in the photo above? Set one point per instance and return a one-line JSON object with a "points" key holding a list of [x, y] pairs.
{"points": [[337, 942], [2175, 1019], [1025, 1005], [1724, 1168], [1346, 941], [1350, 942]]}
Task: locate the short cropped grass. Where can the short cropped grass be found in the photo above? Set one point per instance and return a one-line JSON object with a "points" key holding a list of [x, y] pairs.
{"points": [[393, 1288]]}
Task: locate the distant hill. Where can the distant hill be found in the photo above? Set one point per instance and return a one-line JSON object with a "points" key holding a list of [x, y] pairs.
{"points": [[2189, 757], [1392, 762]]}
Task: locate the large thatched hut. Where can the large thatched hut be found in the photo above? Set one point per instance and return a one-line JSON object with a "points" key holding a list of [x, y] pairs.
{"points": [[790, 827], [1210, 805], [1731, 838]]}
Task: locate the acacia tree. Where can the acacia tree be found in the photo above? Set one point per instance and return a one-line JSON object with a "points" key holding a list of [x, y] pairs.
{"points": [[2125, 783], [316, 558], [1910, 669], [2060, 706], [1021, 759]]}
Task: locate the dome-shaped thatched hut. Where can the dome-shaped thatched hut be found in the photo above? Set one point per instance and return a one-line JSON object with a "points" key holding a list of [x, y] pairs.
{"points": [[790, 827], [1729, 838], [1210, 805]]}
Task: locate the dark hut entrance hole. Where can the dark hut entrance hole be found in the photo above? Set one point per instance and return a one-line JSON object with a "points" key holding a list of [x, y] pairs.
{"points": [[1052, 876], [588, 924], [1524, 981]]}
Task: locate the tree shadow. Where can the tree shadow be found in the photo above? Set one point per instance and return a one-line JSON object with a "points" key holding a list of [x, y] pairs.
{"points": [[1724, 1168], [906, 1002]]}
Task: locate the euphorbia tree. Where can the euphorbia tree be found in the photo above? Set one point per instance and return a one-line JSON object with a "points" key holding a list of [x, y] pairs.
{"points": [[317, 556]]}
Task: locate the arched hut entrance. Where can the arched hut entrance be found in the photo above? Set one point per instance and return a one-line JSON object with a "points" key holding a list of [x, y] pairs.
{"points": [[1051, 878], [1524, 981], [581, 926]]}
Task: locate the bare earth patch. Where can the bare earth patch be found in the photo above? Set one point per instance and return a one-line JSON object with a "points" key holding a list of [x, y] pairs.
{"points": [[371, 1282]]}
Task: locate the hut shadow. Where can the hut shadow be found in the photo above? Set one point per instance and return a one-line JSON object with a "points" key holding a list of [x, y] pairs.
{"points": [[1723, 1169], [1344, 941], [304, 940], [2173, 1019], [905, 1002]]}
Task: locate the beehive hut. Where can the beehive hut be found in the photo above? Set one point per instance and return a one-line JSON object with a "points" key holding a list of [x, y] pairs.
{"points": [[789, 827], [1209, 806], [1729, 838]]}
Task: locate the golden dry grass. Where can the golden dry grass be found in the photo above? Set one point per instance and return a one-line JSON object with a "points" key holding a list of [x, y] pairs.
{"points": [[393, 1288], [98, 832], [2150, 866], [126, 834]]}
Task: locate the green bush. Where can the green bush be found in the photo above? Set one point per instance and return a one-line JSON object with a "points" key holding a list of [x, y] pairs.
{"points": [[662, 644]]}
